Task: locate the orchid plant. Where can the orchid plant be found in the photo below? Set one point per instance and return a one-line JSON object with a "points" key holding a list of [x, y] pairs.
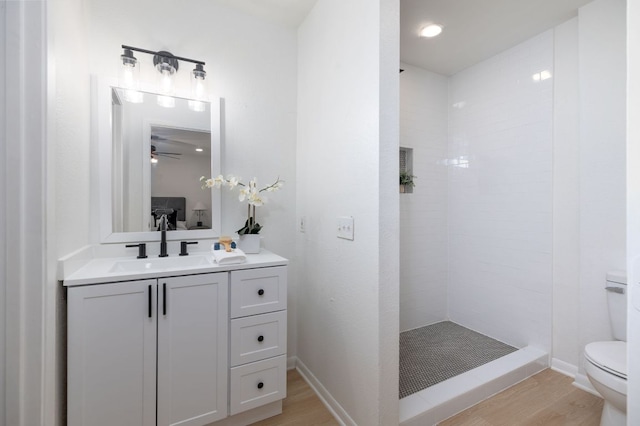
{"points": [[248, 192]]}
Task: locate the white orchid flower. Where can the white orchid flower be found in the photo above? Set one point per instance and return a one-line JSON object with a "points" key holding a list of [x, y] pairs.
{"points": [[209, 183], [256, 200], [232, 181], [276, 186], [243, 193], [219, 181]]}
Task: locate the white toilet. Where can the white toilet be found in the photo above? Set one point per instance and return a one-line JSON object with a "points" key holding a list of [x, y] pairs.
{"points": [[606, 362]]}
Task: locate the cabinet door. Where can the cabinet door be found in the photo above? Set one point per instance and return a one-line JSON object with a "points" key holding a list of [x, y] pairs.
{"points": [[192, 349], [111, 360]]}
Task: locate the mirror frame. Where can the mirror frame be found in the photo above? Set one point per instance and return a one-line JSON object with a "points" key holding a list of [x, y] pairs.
{"points": [[101, 135]]}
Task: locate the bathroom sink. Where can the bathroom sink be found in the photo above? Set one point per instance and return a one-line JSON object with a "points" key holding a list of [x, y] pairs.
{"points": [[160, 264]]}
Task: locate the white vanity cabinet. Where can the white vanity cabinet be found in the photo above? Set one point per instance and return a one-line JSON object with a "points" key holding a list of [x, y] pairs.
{"points": [[117, 331], [258, 338], [201, 345]]}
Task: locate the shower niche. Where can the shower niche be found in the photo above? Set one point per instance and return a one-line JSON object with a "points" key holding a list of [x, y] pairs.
{"points": [[406, 171]]}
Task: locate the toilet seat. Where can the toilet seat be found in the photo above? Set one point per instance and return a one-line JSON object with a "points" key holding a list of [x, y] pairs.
{"points": [[608, 356]]}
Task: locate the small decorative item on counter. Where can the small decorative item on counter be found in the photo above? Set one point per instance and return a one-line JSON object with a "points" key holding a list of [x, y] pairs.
{"points": [[226, 242], [225, 252]]}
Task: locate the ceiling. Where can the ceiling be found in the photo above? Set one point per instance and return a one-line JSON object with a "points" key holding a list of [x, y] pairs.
{"points": [[474, 30], [181, 141], [283, 12]]}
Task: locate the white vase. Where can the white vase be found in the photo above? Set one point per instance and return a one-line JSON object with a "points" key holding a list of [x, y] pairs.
{"points": [[249, 243]]}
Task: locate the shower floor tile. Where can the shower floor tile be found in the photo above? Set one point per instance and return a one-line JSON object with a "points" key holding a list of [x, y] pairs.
{"points": [[437, 352]]}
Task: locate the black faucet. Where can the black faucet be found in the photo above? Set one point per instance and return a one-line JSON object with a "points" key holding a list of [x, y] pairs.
{"points": [[163, 236], [142, 250], [183, 247]]}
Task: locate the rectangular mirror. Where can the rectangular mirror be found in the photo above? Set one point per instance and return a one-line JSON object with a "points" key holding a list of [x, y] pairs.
{"points": [[152, 152]]}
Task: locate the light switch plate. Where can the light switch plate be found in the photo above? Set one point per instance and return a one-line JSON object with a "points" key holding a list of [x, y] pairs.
{"points": [[345, 227]]}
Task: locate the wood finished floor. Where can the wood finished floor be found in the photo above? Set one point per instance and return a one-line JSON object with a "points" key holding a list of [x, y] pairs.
{"points": [[546, 399], [301, 406]]}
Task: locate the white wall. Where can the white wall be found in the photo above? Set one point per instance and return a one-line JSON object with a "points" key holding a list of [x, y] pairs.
{"points": [[633, 209], [500, 195], [566, 198], [423, 213], [68, 150], [602, 159], [174, 178], [347, 159], [252, 65], [26, 361], [72, 127]]}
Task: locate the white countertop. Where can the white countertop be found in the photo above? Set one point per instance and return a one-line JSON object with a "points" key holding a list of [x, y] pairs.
{"points": [[101, 270]]}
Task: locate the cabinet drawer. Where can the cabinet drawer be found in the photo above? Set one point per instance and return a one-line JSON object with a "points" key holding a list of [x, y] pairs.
{"points": [[257, 291], [258, 337], [258, 383]]}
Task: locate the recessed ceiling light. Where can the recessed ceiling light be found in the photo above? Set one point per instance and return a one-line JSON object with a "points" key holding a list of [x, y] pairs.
{"points": [[431, 30], [199, 149]]}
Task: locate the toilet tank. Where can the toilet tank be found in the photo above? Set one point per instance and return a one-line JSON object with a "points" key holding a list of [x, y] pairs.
{"points": [[617, 301]]}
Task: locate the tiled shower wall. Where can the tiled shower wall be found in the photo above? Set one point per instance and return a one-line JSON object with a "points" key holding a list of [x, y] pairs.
{"points": [[423, 213], [500, 195]]}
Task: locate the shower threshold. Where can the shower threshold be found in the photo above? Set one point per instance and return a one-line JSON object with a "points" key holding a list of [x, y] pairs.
{"points": [[448, 392]]}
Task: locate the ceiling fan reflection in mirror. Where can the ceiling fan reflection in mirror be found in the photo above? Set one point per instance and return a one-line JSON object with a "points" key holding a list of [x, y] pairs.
{"points": [[155, 154]]}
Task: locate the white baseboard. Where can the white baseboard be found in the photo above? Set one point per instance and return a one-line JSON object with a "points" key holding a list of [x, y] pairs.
{"points": [[329, 401], [564, 367], [582, 382], [291, 362]]}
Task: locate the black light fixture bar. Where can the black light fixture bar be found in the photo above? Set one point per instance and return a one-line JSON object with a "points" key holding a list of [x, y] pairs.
{"points": [[163, 54]]}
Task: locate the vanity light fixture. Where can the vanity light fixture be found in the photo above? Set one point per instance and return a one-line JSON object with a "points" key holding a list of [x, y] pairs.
{"points": [[130, 77], [198, 86], [198, 89], [167, 65], [431, 30]]}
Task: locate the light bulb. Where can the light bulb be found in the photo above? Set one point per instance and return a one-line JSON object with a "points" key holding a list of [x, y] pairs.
{"points": [[198, 83], [130, 77], [431, 30]]}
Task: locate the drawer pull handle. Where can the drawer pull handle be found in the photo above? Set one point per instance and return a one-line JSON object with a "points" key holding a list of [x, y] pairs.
{"points": [[260, 385], [260, 292], [260, 338]]}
